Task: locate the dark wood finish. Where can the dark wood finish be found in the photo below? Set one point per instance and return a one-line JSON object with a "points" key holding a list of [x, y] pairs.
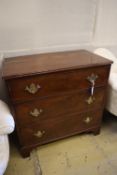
{"points": [[61, 97], [60, 128], [54, 107], [55, 83], [51, 62]]}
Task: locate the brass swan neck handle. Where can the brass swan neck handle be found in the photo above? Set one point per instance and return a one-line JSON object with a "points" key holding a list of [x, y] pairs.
{"points": [[32, 88]]}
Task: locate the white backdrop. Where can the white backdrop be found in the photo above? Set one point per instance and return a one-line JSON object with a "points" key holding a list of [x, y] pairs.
{"points": [[40, 25], [106, 24]]}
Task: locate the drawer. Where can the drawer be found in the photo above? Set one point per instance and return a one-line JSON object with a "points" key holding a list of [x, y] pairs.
{"points": [[45, 109], [48, 131], [39, 86]]}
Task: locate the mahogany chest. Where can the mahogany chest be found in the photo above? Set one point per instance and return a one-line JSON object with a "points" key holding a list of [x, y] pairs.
{"points": [[55, 95]]}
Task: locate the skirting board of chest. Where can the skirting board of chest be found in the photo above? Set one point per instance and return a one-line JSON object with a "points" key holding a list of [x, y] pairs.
{"points": [[55, 95]]}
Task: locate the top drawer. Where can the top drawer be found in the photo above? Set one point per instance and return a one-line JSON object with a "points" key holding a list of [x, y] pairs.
{"points": [[44, 85]]}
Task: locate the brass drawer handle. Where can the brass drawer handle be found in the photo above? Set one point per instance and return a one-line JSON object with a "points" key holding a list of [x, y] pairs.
{"points": [[90, 100], [36, 112], [87, 120], [39, 134], [32, 88]]}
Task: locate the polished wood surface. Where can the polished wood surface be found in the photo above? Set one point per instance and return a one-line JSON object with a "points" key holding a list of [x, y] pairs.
{"points": [[54, 107], [56, 83], [50, 62], [51, 96], [60, 128]]}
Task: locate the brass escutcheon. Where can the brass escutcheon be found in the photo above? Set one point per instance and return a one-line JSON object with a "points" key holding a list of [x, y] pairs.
{"points": [[32, 88], [92, 78], [39, 134], [87, 120], [36, 112]]}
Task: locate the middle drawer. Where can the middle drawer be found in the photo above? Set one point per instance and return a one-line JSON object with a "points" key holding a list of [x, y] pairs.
{"points": [[40, 110]]}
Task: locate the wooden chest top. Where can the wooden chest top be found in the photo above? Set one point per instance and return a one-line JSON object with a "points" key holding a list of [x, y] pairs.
{"points": [[50, 62]]}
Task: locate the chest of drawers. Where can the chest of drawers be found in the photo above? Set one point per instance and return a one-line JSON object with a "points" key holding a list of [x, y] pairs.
{"points": [[55, 95]]}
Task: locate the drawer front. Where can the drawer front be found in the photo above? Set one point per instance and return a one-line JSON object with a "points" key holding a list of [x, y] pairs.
{"points": [[41, 110], [51, 130], [46, 85]]}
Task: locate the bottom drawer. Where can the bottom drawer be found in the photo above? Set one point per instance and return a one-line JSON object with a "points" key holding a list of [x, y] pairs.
{"points": [[50, 130]]}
